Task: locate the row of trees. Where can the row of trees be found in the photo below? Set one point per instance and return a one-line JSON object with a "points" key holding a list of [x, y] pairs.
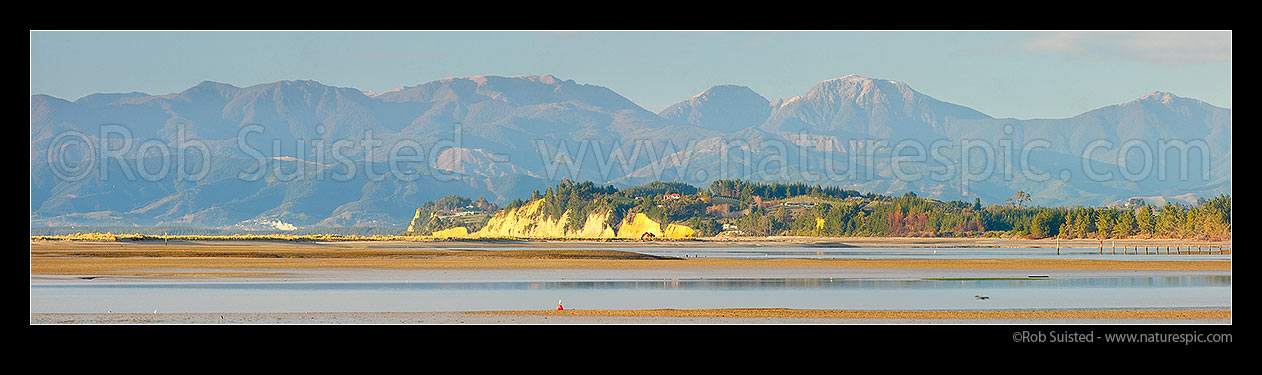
{"points": [[911, 216], [1206, 219], [907, 215], [743, 190]]}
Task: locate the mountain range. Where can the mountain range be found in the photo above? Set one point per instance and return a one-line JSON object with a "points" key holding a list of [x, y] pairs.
{"points": [[303, 154]]}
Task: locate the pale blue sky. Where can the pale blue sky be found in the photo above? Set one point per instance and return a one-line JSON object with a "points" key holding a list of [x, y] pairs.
{"points": [[1021, 74]]}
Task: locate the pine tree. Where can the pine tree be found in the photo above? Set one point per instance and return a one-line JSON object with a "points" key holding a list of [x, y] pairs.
{"points": [[1124, 225], [1104, 224], [1144, 221], [1083, 225], [1169, 221]]}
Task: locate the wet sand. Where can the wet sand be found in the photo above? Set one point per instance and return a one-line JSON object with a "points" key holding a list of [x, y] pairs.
{"points": [[669, 316], [261, 258]]}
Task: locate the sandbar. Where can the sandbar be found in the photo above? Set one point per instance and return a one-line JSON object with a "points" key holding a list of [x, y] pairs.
{"points": [[255, 258]]}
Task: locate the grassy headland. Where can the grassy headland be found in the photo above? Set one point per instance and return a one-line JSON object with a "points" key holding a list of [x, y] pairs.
{"points": [[742, 209]]}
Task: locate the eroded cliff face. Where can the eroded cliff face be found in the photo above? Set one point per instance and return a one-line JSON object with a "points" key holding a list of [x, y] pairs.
{"points": [[679, 231], [416, 222], [525, 222], [528, 221], [640, 225]]}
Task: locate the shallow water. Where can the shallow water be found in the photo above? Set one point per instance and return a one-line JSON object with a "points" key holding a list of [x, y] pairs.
{"points": [[398, 291], [806, 293], [1107, 253], [931, 253]]}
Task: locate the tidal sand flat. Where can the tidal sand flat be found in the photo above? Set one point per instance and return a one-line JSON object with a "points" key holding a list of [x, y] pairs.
{"points": [[158, 258], [367, 276], [665, 316]]}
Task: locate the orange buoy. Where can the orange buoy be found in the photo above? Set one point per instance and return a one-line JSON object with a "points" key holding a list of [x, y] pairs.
{"points": [[559, 308]]}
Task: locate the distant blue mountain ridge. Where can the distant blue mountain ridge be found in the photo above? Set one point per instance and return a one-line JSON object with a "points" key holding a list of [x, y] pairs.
{"points": [[307, 155]]}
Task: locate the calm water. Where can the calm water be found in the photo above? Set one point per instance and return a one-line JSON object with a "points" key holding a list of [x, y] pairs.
{"points": [[914, 253], [928, 253], [812, 293]]}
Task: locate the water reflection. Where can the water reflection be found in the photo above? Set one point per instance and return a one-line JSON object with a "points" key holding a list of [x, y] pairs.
{"points": [[703, 284], [926, 253], [801, 293]]}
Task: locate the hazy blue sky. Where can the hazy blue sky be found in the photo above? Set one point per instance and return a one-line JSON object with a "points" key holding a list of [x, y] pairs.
{"points": [[1025, 74]]}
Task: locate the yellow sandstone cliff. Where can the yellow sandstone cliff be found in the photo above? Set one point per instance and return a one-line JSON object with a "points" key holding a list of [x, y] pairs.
{"points": [[457, 232], [529, 222]]}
